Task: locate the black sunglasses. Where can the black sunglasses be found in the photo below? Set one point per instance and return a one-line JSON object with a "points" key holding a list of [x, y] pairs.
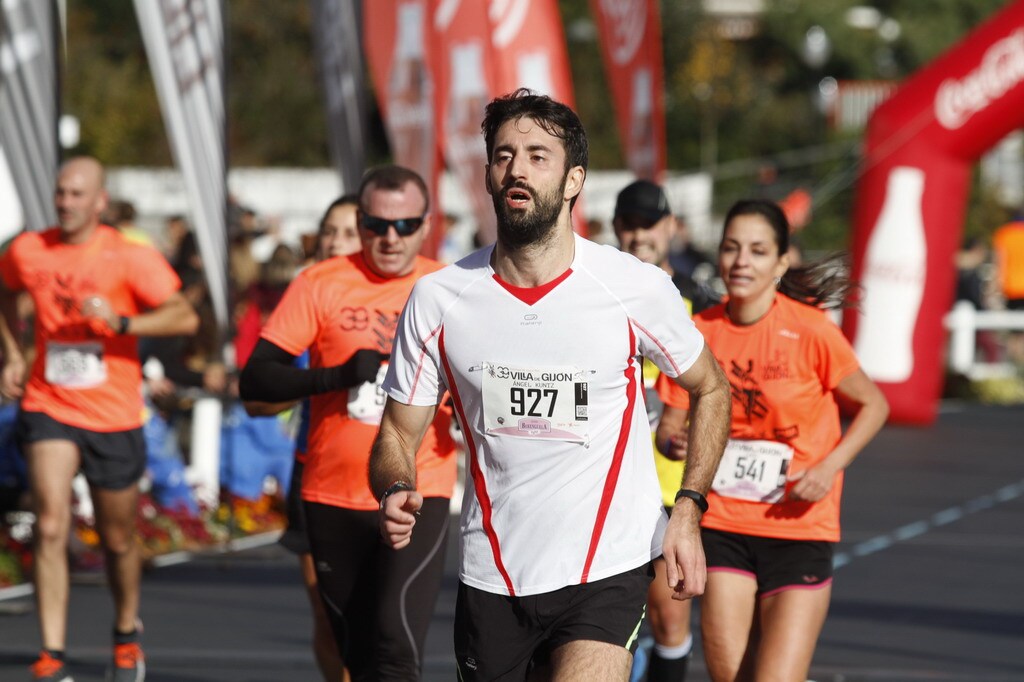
{"points": [[379, 226]]}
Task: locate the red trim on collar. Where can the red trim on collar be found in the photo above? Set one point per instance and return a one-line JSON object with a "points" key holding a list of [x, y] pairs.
{"points": [[530, 295]]}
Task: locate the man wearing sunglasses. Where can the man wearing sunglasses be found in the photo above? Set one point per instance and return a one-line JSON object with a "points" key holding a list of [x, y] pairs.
{"points": [[345, 310], [539, 338]]}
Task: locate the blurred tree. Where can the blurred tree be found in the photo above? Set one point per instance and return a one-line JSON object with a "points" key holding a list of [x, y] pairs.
{"points": [[106, 84]]}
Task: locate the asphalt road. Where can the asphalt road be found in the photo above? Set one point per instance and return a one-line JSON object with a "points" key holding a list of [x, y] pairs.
{"points": [[928, 585]]}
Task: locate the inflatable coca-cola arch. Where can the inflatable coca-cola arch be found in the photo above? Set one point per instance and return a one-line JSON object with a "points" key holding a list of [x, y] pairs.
{"points": [[908, 217]]}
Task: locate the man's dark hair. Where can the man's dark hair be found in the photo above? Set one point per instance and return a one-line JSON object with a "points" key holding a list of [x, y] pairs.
{"points": [[553, 117], [394, 178]]}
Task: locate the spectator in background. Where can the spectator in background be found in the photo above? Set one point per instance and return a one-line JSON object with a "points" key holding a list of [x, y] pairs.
{"points": [[121, 214], [971, 287], [254, 448], [1008, 249], [686, 259]]}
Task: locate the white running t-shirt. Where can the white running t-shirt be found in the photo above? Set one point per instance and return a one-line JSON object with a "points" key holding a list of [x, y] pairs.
{"points": [[561, 487]]}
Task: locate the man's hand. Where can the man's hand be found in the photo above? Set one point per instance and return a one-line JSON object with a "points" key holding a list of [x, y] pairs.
{"points": [[12, 378], [686, 568], [398, 516]]}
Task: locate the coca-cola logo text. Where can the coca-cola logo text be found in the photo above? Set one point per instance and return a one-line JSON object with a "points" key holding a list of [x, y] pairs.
{"points": [[1001, 69]]}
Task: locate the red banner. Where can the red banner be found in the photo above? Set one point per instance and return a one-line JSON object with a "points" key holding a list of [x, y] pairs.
{"points": [[400, 49], [630, 33], [465, 75], [530, 52]]}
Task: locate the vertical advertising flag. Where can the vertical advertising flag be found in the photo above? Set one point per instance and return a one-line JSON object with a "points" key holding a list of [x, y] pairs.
{"points": [[339, 57], [530, 52], [400, 50], [28, 105], [464, 78], [185, 44], [630, 32]]}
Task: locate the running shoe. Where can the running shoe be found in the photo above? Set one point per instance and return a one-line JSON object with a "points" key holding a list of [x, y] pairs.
{"points": [[129, 664], [49, 669]]}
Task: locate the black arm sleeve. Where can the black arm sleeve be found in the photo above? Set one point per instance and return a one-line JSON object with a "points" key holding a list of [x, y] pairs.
{"points": [[270, 375]]}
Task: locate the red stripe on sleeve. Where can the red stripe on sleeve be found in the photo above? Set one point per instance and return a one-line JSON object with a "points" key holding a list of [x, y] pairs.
{"points": [[419, 363], [620, 449], [479, 484]]}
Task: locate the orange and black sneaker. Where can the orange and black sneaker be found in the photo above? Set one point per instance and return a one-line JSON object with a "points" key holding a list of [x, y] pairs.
{"points": [[50, 669], [129, 664]]}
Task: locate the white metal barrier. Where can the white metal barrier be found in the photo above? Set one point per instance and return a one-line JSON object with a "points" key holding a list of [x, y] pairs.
{"points": [[204, 472], [963, 322]]}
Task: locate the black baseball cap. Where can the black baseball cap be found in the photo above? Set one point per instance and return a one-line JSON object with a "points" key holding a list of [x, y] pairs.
{"points": [[642, 199]]}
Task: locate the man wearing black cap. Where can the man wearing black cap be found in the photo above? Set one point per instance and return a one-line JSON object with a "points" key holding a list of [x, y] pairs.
{"points": [[644, 226]]}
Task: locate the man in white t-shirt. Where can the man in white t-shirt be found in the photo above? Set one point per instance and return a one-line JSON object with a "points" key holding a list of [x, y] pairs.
{"points": [[539, 341]]}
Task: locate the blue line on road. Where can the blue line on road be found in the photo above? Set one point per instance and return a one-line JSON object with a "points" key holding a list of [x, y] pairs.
{"points": [[917, 528]]}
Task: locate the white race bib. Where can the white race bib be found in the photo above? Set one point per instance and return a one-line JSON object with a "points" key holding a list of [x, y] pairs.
{"points": [[753, 470], [75, 365], [536, 402], [366, 401]]}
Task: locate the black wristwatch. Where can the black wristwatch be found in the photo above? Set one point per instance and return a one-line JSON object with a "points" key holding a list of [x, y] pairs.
{"points": [[698, 499], [392, 489], [122, 325]]}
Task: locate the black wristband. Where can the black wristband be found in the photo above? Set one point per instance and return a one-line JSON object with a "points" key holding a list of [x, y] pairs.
{"points": [[392, 489], [122, 325], [698, 499]]}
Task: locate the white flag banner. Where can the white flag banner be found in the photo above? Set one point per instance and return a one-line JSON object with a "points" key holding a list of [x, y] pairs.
{"points": [[336, 28], [28, 105], [185, 45]]}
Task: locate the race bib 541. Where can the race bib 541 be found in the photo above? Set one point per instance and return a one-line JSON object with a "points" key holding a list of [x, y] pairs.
{"points": [[753, 470]]}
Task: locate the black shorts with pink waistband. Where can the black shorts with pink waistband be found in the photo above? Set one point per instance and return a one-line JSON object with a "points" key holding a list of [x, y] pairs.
{"points": [[776, 564]]}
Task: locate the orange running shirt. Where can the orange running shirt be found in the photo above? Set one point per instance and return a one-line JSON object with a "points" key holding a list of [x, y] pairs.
{"points": [[782, 370], [1008, 244], [81, 377], [335, 308]]}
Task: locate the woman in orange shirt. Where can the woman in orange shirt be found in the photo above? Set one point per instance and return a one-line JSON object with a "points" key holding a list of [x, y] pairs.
{"points": [[774, 505]]}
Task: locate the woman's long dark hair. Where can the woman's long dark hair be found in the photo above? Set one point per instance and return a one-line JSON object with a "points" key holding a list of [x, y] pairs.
{"points": [[823, 283]]}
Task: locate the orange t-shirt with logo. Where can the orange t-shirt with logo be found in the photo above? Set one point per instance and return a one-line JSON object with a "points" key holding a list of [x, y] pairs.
{"points": [[80, 377], [1008, 244], [782, 371], [335, 308]]}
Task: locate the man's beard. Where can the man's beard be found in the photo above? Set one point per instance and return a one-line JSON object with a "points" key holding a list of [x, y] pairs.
{"points": [[519, 228]]}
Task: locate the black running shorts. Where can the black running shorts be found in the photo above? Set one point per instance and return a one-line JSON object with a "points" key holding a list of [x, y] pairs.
{"points": [[111, 460], [498, 637], [775, 564]]}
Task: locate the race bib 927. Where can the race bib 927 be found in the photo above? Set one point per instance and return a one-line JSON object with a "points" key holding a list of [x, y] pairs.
{"points": [[536, 402]]}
